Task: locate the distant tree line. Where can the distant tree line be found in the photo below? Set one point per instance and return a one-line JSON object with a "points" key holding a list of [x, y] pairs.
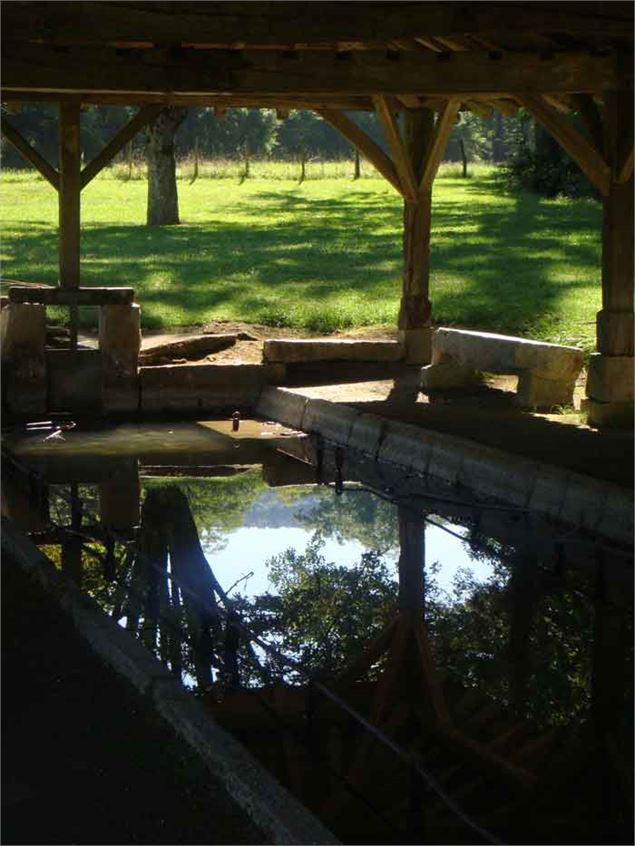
{"points": [[529, 156]]}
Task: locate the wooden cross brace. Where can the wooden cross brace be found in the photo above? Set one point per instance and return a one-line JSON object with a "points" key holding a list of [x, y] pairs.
{"points": [[400, 170], [143, 117]]}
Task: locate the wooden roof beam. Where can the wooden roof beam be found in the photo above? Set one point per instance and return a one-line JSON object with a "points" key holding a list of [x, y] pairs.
{"points": [[102, 70], [576, 145], [266, 23], [30, 153], [367, 147]]}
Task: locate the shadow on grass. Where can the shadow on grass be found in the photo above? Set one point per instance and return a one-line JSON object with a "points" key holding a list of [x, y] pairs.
{"points": [[498, 262]]}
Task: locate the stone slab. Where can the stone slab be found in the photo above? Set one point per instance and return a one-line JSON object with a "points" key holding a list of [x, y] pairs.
{"points": [[495, 353], [282, 405], [446, 374], [610, 378], [367, 434], [289, 351], [331, 420], [534, 391], [406, 446], [200, 387], [48, 295], [193, 347]]}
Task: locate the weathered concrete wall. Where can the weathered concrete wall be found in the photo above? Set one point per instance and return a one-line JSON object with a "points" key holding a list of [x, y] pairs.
{"points": [[580, 501]]}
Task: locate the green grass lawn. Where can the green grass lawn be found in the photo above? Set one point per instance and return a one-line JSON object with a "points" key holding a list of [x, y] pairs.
{"points": [[323, 255]]}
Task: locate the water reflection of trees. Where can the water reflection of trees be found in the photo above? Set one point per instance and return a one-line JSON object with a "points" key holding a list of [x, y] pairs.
{"points": [[525, 637]]}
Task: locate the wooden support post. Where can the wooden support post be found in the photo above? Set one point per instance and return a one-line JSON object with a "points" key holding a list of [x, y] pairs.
{"points": [[610, 380], [69, 203], [411, 562], [414, 314]]}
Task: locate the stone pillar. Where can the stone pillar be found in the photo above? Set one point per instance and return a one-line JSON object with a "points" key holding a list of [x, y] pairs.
{"points": [[23, 338], [415, 331], [119, 344], [610, 380]]}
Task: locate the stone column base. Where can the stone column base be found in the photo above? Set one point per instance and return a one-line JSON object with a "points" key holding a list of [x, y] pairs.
{"points": [[610, 378], [608, 415], [417, 344]]}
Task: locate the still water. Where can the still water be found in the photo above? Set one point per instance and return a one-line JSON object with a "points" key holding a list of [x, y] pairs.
{"points": [[296, 590]]}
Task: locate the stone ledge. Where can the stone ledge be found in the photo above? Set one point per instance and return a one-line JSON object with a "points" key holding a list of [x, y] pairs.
{"points": [[183, 387], [278, 814], [308, 351], [586, 503]]}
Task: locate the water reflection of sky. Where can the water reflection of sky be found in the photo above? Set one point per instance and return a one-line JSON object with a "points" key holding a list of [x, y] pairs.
{"points": [[247, 549]]}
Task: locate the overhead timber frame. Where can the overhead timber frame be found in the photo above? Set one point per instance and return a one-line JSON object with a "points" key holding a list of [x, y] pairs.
{"points": [[407, 61]]}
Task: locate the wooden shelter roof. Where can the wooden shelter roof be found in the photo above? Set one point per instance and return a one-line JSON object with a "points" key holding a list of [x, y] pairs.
{"points": [[336, 55]]}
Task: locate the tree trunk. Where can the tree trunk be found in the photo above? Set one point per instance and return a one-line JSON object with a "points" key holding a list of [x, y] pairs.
{"points": [[163, 201]]}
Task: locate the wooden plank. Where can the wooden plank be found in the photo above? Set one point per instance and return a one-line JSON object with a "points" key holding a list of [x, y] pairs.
{"points": [[367, 147], [69, 204], [289, 23], [576, 145], [195, 101], [144, 116], [442, 129], [65, 296], [400, 156], [106, 70], [30, 153]]}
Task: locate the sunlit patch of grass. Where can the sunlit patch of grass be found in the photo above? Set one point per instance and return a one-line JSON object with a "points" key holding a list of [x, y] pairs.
{"points": [[323, 255]]}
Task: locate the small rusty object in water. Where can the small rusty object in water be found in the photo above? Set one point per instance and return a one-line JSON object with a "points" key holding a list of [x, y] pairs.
{"points": [[235, 421]]}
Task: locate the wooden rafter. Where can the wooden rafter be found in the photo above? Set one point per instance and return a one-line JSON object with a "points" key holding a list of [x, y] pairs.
{"points": [[143, 117], [29, 66], [358, 138], [442, 130], [30, 153], [403, 165], [576, 145]]}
